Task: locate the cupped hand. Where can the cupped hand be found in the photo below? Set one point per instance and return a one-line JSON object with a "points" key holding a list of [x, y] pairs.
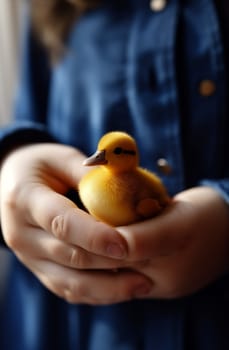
{"points": [[71, 253], [184, 248]]}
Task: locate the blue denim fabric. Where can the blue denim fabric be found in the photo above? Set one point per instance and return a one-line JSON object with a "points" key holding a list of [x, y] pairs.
{"points": [[128, 68]]}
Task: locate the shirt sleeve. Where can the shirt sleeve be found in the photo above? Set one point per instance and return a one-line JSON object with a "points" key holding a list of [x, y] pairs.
{"points": [[32, 95], [221, 186]]}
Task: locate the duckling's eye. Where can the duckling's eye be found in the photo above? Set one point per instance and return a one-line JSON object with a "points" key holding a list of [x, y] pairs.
{"points": [[117, 150]]}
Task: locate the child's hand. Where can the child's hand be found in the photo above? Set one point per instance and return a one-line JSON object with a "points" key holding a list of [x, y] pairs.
{"points": [[186, 247], [70, 252]]}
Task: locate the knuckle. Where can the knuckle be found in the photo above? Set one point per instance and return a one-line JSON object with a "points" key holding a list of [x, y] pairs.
{"points": [[74, 292], [62, 289], [59, 227], [70, 297], [12, 239], [76, 258], [70, 289], [10, 199], [16, 195]]}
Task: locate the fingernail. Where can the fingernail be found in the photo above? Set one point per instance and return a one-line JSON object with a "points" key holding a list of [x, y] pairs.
{"points": [[115, 250], [142, 290]]}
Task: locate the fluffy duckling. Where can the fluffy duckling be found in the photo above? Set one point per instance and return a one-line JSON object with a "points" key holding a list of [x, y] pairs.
{"points": [[119, 192]]}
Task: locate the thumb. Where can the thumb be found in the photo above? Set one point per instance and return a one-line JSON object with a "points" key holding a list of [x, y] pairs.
{"points": [[65, 162], [160, 236]]}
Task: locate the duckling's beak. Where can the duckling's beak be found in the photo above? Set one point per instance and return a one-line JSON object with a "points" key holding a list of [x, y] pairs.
{"points": [[98, 158]]}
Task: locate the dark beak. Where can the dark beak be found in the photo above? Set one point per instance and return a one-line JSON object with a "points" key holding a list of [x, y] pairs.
{"points": [[98, 158]]}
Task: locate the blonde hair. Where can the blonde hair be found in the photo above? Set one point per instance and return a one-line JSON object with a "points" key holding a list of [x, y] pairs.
{"points": [[52, 21]]}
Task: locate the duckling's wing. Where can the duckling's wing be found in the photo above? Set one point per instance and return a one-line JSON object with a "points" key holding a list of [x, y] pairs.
{"points": [[148, 207], [154, 187], [152, 195]]}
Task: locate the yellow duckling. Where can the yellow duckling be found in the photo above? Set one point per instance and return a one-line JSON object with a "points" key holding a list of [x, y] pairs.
{"points": [[119, 192]]}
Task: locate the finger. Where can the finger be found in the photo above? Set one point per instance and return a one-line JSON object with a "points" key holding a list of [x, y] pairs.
{"points": [[158, 237], [70, 168], [92, 287], [59, 216], [41, 245]]}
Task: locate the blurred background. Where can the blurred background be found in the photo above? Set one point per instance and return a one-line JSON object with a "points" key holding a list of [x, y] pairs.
{"points": [[10, 14], [10, 27]]}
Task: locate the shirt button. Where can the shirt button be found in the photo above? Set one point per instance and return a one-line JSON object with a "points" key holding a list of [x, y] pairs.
{"points": [[157, 5], [207, 88], [163, 166]]}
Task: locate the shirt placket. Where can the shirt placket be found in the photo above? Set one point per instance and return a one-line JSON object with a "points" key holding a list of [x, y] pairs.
{"points": [[152, 90]]}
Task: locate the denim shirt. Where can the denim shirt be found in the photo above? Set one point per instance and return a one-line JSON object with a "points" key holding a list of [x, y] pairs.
{"points": [[160, 76]]}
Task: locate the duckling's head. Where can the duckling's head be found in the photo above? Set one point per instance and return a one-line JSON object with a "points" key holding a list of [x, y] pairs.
{"points": [[117, 151]]}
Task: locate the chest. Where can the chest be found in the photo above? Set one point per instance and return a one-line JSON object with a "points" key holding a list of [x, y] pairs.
{"points": [[140, 71]]}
